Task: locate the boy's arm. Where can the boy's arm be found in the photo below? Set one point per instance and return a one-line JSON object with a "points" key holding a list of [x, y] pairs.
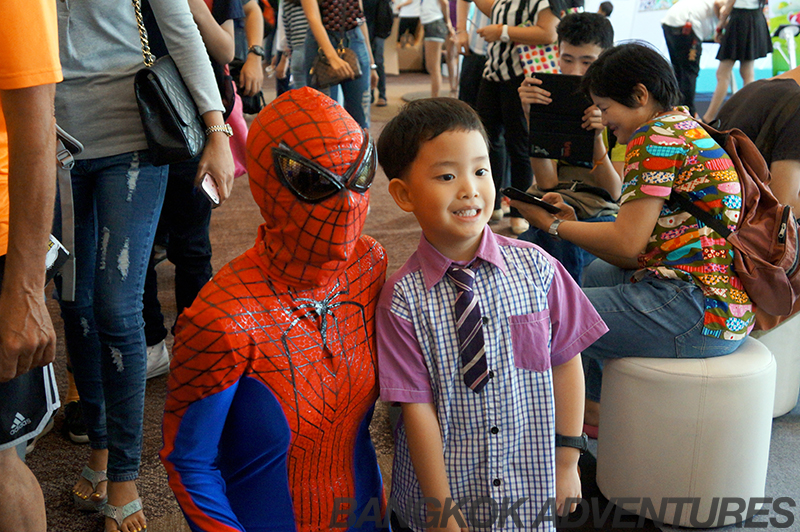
{"points": [[568, 391], [427, 455], [604, 173]]}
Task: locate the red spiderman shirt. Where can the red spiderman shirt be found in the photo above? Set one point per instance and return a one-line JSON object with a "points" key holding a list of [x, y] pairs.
{"points": [[273, 379]]}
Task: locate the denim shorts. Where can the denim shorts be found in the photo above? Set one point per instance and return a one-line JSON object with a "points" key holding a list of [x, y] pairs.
{"points": [[435, 31]]}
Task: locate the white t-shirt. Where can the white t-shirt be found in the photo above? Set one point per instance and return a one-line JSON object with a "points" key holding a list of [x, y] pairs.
{"points": [[430, 11], [409, 11], [699, 12]]}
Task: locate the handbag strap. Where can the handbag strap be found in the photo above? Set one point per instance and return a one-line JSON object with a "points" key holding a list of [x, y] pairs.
{"points": [[706, 217], [148, 57]]}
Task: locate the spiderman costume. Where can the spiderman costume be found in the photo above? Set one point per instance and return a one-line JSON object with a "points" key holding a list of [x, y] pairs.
{"points": [[273, 379]]}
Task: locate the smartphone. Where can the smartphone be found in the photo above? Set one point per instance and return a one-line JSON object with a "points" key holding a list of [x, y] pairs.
{"points": [[517, 194], [210, 189]]}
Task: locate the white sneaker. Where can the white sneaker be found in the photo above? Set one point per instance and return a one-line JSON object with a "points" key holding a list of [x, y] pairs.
{"points": [[157, 360]]}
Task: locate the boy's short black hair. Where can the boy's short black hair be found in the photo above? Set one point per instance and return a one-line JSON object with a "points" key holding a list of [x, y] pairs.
{"points": [[617, 71], [418, 122], [579, 29], [606, 8]]}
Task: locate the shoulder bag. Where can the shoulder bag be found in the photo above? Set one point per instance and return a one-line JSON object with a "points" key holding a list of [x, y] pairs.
{"points": [[171, 121]]}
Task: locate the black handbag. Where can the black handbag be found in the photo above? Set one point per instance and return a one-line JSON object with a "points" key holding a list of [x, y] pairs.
{"points": [[172, 124], [250, 104]]}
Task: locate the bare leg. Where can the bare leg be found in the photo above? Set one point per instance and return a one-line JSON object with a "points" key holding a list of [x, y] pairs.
{"points": [[120, 494], [21, 499], [433, 62], [451, 57], [723, 80], [747, 70]]}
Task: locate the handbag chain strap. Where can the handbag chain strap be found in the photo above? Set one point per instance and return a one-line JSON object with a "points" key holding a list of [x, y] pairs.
{"points": [[148, 57]]}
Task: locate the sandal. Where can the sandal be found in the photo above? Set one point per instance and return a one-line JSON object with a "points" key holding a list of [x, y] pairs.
{"points": [[119, 514], [86, 504]]}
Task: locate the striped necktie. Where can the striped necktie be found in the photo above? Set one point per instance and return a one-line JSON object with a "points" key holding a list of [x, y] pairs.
{"points": [[470, 328]]}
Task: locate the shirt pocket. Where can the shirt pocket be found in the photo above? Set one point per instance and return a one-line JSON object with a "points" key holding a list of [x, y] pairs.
{"points": [[530, 340]]}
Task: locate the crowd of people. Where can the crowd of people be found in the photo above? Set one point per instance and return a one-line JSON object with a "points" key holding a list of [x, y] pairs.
{"points": [[493, 347]]}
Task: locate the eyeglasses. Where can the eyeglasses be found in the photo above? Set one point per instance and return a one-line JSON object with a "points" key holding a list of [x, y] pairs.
{"points": [[313, 183]]}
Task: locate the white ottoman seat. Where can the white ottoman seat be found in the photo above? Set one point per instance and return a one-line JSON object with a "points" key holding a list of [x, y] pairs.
{"points": [[784, 342], [696, 428]]}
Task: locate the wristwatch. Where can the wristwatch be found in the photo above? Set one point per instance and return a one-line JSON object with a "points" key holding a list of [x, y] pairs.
{"points": [[256, 49], [578, 442], [373, 66], [224, 128], [504, 35], [553, 229]]}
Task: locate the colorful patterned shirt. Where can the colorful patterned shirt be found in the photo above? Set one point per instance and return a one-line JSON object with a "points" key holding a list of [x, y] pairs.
{"points": [[674, 151]]}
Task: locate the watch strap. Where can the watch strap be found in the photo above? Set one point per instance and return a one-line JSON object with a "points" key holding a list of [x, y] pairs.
{"points": [[224, 128], [553, 229], [578, 442]]}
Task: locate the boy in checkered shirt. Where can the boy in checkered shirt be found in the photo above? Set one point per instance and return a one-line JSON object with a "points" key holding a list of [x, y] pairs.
{"points": [[478, 340]]}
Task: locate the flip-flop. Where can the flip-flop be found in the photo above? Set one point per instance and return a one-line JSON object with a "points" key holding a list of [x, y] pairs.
{"points": [[119, 514], [87, 504]]}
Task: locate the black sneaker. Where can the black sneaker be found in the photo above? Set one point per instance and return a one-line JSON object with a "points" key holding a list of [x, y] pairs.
{"points": [[74, 427]]}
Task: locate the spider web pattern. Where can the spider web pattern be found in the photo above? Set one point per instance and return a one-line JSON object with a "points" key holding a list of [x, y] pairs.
{"points": [[314, 349], [306, 243]]}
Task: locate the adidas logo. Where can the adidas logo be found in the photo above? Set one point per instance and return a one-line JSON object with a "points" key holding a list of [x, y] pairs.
{"points": [[20, 422]]}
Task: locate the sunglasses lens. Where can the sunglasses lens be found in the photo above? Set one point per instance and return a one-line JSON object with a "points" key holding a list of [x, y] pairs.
{"points": [[306, 182], [363, 177]]}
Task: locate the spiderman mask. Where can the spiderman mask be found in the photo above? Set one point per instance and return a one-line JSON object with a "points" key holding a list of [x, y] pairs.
{"points": [[310, 167], [313, 183]]}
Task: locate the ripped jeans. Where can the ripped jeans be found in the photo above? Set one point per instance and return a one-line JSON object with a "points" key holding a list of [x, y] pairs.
{"points": [[117, 202]]}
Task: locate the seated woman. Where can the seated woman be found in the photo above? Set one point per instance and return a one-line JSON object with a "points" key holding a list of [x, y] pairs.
{"points": [[665, 287]]}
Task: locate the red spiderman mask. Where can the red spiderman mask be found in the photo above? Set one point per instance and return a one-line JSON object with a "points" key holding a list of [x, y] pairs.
{"points": [[310, 166]]}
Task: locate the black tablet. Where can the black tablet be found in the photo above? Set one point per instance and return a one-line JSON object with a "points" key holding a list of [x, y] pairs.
{"points": [[556, 129]]}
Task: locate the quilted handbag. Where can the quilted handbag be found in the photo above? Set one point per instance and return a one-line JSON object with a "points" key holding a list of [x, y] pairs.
{"points": [[171, 121], [322, 73]]}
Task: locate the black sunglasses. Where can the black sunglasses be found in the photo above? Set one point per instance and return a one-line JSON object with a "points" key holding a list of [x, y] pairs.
{"points": [[313, 183]]}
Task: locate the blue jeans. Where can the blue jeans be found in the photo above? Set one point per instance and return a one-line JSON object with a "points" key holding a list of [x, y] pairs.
{"points": [[653, 318], [117, 201], [356, 91], [572, 257]]}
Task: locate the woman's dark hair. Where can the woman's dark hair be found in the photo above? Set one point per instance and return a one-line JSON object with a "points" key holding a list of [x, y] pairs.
{"points": [[418, 122], [617, 71]]}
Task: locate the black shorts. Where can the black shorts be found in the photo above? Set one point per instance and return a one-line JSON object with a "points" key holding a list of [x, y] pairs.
{"points": [[407, 25], [26, 403]]}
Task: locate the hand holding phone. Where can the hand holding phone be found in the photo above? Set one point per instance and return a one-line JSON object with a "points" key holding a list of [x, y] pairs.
{"points": [[516, 194], [210, 189]]}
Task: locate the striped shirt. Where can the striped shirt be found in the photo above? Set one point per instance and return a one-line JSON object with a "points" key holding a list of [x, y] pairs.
{"points": [[295, 24], [502, 62], [499, 443]]}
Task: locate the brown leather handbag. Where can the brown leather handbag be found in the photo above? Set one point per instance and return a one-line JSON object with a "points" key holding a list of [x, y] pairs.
{"points": [[322, 73]]}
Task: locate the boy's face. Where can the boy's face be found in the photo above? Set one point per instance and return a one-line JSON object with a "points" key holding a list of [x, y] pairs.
{"points": [[575, 60], [450, 190]]}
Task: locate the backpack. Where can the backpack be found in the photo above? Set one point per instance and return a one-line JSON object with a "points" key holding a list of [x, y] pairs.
{"points": [[765, 239]]}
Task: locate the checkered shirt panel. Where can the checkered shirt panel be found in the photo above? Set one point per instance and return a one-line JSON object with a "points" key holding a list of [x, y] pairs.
{"points": [[518, 402]]}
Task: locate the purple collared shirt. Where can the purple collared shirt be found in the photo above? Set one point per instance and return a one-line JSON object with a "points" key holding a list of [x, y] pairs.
{"points": [[499, 443]]}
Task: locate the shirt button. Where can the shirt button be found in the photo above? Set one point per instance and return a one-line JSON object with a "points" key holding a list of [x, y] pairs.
{"points": [[495, 430], [485, 319], [491, 374], [497, 482]]}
